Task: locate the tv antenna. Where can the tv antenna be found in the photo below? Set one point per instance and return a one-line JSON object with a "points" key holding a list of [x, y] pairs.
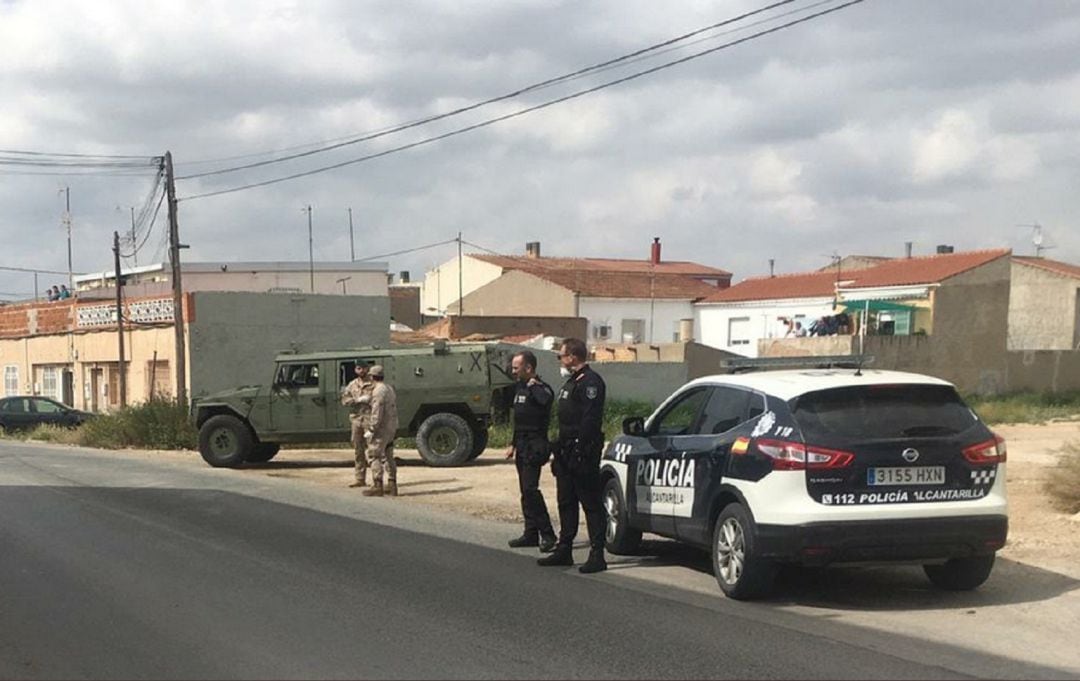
{"points": [[1038, 239]]}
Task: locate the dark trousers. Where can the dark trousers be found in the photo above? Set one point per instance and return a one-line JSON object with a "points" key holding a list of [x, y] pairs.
{"points": [[533, 507], [577, 481]]}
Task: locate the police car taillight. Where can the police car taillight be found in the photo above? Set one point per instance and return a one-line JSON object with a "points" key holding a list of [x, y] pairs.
{"points": [[794, 456], [991, 451]]}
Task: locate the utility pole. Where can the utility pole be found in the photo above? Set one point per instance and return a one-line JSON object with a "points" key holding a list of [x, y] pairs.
{"points": [[120, 320], [134, 244], [310, 249], [460, 276], [352, 246], [67, 223], [180, 344]]}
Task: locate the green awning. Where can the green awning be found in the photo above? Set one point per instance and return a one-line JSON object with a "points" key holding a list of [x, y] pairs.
{"points": [[876, 306]]}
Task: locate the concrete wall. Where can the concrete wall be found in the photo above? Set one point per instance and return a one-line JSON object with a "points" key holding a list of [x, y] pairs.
{"points": [[440, 288], [713, 319], [1044, 309], [233, 337], [405, 306], [661, 317], [1044, 370], [517, 293], [643, 381]]}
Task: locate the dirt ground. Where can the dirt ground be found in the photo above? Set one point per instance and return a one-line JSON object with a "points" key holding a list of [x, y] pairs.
{"points": [[1039, 535]]}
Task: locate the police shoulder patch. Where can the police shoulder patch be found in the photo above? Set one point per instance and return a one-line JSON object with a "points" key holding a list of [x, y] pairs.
{"points": [[591, 392]]}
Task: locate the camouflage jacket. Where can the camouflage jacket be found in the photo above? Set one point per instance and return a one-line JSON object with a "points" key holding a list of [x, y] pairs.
{"points": [[384, 416]]}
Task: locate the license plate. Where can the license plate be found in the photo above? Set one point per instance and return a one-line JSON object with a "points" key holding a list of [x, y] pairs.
{"points": [[909, 475]]}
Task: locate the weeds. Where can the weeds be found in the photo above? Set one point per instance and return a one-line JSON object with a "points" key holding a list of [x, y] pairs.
{"points": [[158, 424], [1026, 407], [1064, 482]]}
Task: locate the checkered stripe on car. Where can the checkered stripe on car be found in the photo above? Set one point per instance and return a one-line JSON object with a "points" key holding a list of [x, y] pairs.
{"points": [[983, 476]]}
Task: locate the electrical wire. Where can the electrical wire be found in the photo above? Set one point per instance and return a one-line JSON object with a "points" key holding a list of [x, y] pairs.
{"points": [[510, 95], [522, 112], [407, 250]]}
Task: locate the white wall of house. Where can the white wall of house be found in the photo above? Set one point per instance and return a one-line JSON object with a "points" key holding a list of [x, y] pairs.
{"points": [[737, 327], [656, 321], [440, 287]]}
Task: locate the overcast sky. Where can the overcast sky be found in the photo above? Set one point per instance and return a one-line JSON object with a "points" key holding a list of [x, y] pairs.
{"points": [[886, 122]]}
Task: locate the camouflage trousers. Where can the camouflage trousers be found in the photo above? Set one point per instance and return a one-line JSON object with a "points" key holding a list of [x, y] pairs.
{"points": [[359, 448], [380, 455]]}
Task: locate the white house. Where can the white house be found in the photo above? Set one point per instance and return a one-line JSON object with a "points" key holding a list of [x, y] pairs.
{"points": [[649, 300]]}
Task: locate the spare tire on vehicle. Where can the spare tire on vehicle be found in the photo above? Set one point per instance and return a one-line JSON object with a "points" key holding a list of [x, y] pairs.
{"points": [[445, 439]]}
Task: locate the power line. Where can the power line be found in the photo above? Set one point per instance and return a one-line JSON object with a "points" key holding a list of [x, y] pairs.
{"points": [[522, 112], [31, 270], [67, 155], [511, 95], [407, 250]]}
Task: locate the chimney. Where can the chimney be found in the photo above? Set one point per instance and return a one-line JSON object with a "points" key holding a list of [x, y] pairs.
{"points": [[403, 276], [654, 256], [943, 249], [532, 249], [772, 267], [907, 249]]}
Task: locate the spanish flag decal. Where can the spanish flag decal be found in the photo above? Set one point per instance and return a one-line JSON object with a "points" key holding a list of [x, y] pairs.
{"points": [[740, 445]]}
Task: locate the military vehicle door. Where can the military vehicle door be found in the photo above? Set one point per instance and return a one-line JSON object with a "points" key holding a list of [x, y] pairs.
{"points": [[298, 401], [346, 372]]}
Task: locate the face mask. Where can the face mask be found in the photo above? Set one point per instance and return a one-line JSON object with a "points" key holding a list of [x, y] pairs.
{"points": [[566, 373]]}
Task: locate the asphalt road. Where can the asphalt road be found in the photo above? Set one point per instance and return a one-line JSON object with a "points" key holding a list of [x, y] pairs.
{"points": [[114, 567]]}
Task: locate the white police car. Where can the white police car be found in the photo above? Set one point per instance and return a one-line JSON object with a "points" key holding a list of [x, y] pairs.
{"points": [[812, 467]]}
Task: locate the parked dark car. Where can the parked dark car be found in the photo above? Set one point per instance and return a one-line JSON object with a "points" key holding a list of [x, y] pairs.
{"points": [[26, 411]]}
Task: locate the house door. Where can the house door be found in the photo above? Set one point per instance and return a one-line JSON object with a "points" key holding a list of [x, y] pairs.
{"points": [[95, 388], [67, 387]]}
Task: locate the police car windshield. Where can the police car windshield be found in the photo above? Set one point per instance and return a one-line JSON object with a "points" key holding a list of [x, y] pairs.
{"points": [[882, 411]]}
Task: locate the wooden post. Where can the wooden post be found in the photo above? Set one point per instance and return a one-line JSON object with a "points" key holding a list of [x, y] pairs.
{"points": [[178, 295], [120, 320]]}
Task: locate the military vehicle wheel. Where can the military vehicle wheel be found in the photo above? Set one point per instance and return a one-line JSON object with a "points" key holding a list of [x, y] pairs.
{"points": [[263, 452], [225, 441], [444, 440], [480, 442]]}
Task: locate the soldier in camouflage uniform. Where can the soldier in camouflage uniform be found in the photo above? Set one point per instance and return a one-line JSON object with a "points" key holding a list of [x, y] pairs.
{"points": [[357, 397], [380, 436]]}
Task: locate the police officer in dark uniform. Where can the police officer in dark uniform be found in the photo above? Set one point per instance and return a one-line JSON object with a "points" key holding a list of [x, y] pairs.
{"points": [[530, 449], [576, 461]]}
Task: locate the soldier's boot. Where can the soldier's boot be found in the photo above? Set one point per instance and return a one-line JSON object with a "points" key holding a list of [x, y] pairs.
{"points": [[361, 479], [547, 543], [563, 555], [391, 488], [376, 489], [595, 563]]}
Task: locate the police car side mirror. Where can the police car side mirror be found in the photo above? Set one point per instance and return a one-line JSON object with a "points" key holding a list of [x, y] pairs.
{"points": [[633, 425]]}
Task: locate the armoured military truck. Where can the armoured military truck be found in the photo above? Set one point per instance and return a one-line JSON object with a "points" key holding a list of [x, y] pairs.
{"points": [[444, 399]]}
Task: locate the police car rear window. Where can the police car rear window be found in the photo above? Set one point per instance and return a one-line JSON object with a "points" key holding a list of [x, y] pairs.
{"points": [[882, 411]]}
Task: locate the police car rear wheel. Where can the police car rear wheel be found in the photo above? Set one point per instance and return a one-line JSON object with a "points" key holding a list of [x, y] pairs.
{"points": [[739, 571], [960, 574], [444, 440], [619, 537]]}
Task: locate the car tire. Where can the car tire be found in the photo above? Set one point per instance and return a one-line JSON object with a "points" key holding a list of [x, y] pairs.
{"points": [[619, 537], [263, 452], [741, 573], [960, 574], [444, 440], [480, 442], [225, 441]]}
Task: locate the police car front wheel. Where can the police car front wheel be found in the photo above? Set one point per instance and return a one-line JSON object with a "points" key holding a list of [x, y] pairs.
{"points": [[741, 573], [619, 537]]}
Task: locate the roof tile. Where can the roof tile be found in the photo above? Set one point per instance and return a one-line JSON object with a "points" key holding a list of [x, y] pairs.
{"points": [[1055, 266]]}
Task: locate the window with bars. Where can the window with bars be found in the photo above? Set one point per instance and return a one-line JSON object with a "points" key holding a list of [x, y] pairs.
{"points": [[49, 385], [11, 380]]}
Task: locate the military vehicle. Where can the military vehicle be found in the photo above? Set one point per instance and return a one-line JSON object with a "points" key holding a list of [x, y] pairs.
{"points": [[444, 392]]}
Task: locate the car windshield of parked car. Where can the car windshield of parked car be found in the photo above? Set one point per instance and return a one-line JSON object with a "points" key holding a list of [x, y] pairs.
{"points": [[47, 407], [883, 411]]}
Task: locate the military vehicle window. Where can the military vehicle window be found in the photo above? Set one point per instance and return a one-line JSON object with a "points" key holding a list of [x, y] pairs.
{"points": [[726, 409], [346, 373], [298, 375], [682, 415]]}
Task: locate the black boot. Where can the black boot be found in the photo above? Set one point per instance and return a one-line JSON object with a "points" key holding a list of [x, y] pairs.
{"points": [[596, 562], [563, 555], [525, 540], [547, 543]]}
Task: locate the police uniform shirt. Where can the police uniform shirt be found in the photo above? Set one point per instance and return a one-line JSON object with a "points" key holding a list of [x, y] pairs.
{"points": [[532, 408], [581, 406]]}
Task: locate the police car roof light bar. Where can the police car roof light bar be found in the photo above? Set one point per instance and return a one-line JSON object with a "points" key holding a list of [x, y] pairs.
{"points": [[805, 362]]}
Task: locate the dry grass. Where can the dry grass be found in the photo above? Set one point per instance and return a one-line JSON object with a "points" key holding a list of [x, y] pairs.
{"points": [[1064, 482]]}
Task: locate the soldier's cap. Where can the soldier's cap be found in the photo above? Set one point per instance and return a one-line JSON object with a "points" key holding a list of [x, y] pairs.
{"points": [[363, 363], [376, 370]]}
